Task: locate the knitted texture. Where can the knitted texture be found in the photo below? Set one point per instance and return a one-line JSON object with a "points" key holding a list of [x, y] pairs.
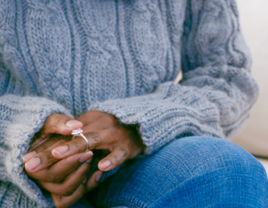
{"points": [[119, 57]]}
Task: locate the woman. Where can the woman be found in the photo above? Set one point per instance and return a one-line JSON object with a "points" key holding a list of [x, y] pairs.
{"points": [[108, 67]]}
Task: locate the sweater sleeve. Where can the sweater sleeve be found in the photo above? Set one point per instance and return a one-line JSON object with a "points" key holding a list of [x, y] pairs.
{"points": [[217, 90], [20, 118]]}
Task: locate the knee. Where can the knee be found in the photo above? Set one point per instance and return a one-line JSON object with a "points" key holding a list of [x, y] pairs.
{"points": [[224, 166], [203, 154]]}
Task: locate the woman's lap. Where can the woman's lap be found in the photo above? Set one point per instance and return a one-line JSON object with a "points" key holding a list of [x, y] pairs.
{"points": [[188, 172]]}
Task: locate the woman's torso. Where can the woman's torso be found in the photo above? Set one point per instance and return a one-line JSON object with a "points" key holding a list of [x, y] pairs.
{"points": [[81, 52]]}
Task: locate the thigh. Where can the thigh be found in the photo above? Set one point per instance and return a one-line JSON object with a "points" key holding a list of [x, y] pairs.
{"points": [[188, 172]]}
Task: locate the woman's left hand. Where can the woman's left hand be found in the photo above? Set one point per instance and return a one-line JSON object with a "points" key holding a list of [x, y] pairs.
{"points": [[103, 132]]}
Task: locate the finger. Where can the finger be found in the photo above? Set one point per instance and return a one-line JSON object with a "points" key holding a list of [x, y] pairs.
{"points": [[70, 183], [54, 124], [28, 156], [44, 158], [51, 140], [38, 139], [67, 201], [93, 181], [60, 170], [96, 120], [90, 117], [119, 154], [60, 124], [78, 145]]}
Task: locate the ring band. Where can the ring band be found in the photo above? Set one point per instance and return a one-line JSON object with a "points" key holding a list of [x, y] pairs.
{"points": [[78, 132]]}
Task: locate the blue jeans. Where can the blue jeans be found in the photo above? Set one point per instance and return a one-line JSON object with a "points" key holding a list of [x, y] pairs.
{"points": [[188, 172]]}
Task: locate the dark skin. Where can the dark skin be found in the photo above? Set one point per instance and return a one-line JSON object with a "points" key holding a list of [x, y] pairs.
{"points": [[61, 165]]}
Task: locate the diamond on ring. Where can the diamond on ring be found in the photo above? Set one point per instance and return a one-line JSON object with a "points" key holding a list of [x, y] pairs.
{"points": [[78, 132]]}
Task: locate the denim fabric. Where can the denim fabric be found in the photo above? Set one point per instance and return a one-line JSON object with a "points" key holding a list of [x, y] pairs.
{"points": [[188, 172]]}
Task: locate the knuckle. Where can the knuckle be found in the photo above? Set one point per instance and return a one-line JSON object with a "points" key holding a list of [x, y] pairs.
{"points": [[51, 178], [62, 190], [42, 147], [62, 141], [90, 113], [114, 158], [43, 158], [50, 118], [125, 152], [94, 136], [111, 147], [48, 154], [93, 113], [69, 190], [109, 119], [57, 123], [75, 144], [46, 130]]}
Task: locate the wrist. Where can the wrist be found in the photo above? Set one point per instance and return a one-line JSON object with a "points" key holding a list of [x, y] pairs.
{"points": [[133, 132]]}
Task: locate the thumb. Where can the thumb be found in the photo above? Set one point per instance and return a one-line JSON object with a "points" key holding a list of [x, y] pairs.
{"points": [[60, 124]]}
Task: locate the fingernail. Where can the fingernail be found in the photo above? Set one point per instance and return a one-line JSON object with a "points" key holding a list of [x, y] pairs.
{"points": [[74, 124], [28, 156], [84, 181], [85, 156], [60, 150], [32, 164], [98, 176], [105, 164]]}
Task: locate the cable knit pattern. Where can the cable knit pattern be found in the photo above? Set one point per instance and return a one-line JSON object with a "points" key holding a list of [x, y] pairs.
{"points": [[119, 57]]}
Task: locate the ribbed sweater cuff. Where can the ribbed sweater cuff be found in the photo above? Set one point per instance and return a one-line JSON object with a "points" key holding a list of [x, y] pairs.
{"points": [[164, 115], [12, 196], [21, 118]]}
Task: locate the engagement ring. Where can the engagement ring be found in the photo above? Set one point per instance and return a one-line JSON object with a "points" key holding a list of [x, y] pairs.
{"points": [[78, 132]]}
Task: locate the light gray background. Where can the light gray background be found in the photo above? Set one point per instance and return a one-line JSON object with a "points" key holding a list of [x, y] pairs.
{"points": [[254, 22]]}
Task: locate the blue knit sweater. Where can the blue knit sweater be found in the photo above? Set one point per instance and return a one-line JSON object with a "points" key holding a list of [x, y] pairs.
{"points": [[119, 57]]}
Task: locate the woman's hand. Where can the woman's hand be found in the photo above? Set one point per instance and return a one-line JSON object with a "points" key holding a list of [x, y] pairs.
{"points": [[59, 170], [55, 124], [103, 132], [66, 180]]}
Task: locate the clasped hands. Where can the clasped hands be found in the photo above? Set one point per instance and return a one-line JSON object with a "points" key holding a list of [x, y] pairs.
{"points": [[61, 166]]}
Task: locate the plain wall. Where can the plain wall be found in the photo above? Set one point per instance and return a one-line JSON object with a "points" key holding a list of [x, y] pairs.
{"points": [[254, 22]]}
